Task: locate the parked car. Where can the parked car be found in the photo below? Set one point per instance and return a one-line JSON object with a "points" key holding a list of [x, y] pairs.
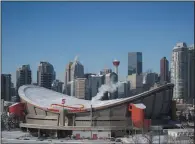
{"points": [[118, 140], [112, 139]]}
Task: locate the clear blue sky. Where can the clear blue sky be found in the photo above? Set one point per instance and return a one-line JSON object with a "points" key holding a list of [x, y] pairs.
{"points": [[98, 32]]}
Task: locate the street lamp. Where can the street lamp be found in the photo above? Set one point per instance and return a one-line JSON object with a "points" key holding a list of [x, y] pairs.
{"points": [[63, 102]]}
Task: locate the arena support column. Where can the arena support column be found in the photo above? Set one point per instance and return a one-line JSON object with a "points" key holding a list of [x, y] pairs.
{"points": [[73, 120], [62, 117], [39, 133]]}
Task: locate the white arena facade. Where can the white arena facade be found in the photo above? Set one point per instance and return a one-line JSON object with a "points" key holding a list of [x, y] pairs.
{"points": [[45, 111]]}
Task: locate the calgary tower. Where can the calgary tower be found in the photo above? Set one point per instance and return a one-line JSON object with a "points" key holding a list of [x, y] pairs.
{"points": [[116, 64]]}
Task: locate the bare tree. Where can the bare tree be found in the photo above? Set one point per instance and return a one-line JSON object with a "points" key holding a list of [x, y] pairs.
{"points": [[170, 139], [178, 140], [136, 139], [148, 137]]}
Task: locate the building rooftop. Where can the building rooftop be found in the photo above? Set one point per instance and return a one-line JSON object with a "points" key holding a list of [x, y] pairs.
{"points": [[68, 66], [180, 45], [98, 75], [115, 60], [23, 67], [191, 47], [141, 106], [6, 75]]}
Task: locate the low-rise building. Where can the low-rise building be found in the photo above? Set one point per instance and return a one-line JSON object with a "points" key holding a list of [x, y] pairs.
{"points": [[149, 79], [57, 86], [124, 89], [105, 71], [81, 88], [136, 82]]}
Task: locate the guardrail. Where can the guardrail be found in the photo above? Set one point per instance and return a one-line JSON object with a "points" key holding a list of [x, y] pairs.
{"points": [[74, 127]]}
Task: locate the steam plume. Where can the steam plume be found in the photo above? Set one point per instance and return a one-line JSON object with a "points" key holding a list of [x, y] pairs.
{"points": [[105, 88]]}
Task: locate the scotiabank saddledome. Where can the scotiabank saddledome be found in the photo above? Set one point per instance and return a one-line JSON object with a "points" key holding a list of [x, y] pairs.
{"points": [[44, 107]]}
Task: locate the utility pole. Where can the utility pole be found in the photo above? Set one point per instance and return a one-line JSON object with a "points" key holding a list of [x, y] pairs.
{"points": [[91, 119], [63, 102], [159, 133]]}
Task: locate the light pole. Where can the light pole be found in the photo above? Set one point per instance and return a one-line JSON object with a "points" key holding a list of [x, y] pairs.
{"points": [[63, 102], [159, 133], [91, 120]]}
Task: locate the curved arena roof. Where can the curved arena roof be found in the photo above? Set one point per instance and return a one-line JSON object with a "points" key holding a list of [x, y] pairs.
{"points": [[45, 98]]}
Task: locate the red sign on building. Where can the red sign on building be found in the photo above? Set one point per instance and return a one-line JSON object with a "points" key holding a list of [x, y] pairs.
{"points": [[63, 101], [77, 136], [94, 136]]}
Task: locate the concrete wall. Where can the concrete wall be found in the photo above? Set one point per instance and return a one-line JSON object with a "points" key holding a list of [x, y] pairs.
{"points": [[148, 101], [100, 134], [36, 115], [158, 99], [42, 120], [116, 116], [85, 134]]}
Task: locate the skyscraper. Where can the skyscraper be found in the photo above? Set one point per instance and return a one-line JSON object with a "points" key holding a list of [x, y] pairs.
{"points": [[74, 70], [179, 71], [6, 87], [67, 89], [164, 70], [23, 77], [72, 87], [14, 97], [134, 63], [45, 75], [68, 73], [67, 78], [13, 90], [191, 73], [77, 70]]}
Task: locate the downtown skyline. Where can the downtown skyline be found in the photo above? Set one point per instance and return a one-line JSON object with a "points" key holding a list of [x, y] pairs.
{"points": [[97, 32]]}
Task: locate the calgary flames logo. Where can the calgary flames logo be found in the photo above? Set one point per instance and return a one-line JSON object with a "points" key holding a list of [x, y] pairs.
{"points": [[72, 108]]}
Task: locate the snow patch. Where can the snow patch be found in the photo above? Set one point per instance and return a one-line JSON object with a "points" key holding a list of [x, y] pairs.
{"points": [[145, 139], [141, 106], [43, 97], [14, 104]]}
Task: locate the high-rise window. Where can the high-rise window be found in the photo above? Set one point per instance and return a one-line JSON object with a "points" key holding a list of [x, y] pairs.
{"points": [[134, 63]]}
